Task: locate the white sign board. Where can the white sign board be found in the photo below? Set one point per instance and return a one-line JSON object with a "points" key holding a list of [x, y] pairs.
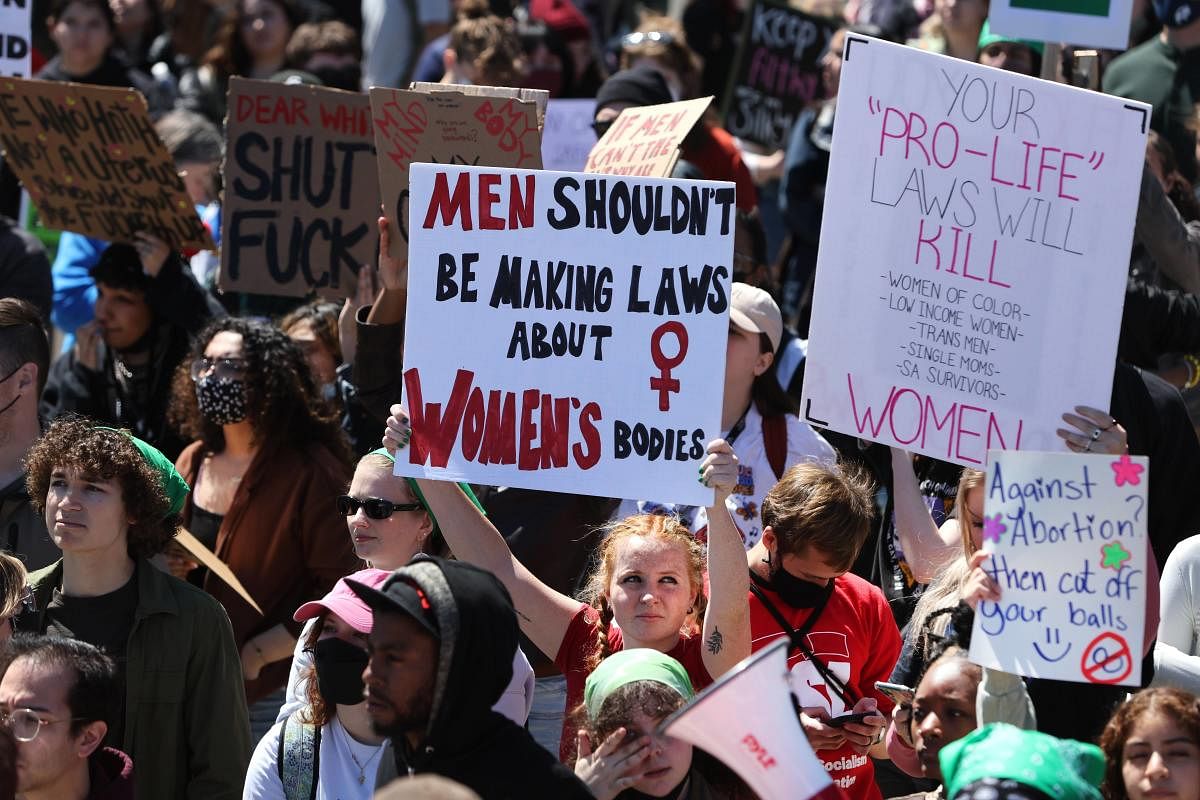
{"points": [[974, 252], [566, 332], [1088, 23], [1067, 538], [16, 47], [567, 136]]}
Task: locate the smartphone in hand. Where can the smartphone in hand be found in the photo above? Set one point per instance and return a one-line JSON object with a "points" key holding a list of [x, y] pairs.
{"points": [[901, 695]]}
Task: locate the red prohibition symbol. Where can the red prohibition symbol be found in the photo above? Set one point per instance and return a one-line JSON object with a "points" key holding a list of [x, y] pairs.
{"points": [[664, 384], [1107, 659]]}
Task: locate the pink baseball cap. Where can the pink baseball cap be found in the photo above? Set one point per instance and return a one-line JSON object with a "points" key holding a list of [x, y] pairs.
{"points": [[342, 601]]}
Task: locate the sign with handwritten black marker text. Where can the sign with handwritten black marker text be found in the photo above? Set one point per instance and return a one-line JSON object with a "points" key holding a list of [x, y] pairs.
{"points": [[1069, 554]]}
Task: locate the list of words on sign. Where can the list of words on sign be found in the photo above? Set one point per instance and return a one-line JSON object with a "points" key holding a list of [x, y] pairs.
{"points": [[1067, 538], [591, 314], [999, 201]]}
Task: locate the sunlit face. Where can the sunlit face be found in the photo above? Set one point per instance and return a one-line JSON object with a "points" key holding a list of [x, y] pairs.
{"points": [[83, 37], [943, 711], [669, 760], [1160, 761], [322, 362], [385, 543], [199, 179], [400, 674], [264, 29], [649, 591], [85, 514], [974, 515], [122, 316]]}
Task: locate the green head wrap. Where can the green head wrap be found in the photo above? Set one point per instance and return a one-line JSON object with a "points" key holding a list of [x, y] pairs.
{"points": [[986, 37], [627, 666], [173, 484], [1062, 768], [416, 490]]}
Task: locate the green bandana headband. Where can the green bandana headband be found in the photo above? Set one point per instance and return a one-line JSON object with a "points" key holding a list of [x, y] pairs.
{"points": [[627, 666], [416, 490], [173, 484], [1062, 768]]}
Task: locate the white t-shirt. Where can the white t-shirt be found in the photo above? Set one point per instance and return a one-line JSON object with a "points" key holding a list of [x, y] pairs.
{"points": [[339, 774], [755, 477]]}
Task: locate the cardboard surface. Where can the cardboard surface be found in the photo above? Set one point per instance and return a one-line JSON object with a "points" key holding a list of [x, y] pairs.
{"points": [[645, 141], [215, 565]]}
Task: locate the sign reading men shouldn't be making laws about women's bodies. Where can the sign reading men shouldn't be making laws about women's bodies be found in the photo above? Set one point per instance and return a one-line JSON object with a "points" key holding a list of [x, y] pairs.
{"points": [[976, 233], [1069, 553], [566, 331]]}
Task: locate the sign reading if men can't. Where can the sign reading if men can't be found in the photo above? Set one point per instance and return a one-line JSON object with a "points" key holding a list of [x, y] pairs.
{"points": [[1069, 555], [16, 54], [976, 230], [566, 331]]}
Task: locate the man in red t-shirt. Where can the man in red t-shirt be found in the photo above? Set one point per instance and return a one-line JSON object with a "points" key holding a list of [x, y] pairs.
{"points": [[815, 520]]}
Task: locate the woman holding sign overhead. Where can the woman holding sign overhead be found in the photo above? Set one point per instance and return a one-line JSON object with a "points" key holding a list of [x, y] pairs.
{"points": [[649, 581]]}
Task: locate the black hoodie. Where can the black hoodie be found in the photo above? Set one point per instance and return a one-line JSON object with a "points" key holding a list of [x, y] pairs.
{"points": [[466, 741]]}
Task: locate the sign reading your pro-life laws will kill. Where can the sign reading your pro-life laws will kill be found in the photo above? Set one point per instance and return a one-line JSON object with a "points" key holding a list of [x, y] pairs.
{"points": [[976, 234], [566, 331], [1069, 554]]}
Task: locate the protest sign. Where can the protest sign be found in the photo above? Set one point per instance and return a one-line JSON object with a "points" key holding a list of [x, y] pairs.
{"points": [[446, 127], [93, 163], [1090, 23], [567, 136], [1069, 553], [301, 193], [777, 73], [208, 559], [645, 140], [566, 332], [15, 36], [977, 228]]}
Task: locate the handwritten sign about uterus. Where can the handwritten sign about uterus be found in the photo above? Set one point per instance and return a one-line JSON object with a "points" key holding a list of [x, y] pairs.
{"points": [[976, 233], [1069, 553]]}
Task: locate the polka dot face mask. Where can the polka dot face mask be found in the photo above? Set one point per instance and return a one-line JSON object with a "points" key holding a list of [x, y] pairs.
{"points": [[222, 400]]}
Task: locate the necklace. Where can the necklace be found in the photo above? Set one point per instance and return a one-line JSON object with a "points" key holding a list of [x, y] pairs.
{"points": [[362, 767]]}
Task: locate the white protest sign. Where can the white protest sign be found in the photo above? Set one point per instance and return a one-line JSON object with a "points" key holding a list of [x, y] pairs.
{"points": [[567, 136], [1068, 544], [566, 332], [16, 50], [1090, 23], [976, 235]]}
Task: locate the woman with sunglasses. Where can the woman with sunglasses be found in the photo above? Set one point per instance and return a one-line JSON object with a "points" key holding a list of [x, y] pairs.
{"points": [[263, 464], [389, 523]]}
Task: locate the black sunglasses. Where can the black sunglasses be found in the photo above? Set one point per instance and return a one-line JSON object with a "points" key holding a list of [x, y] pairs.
{"points": [[376, 508]]}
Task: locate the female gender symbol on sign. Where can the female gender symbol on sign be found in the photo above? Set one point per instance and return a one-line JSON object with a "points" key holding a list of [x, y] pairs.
{"points": [[1107, 659], [664, 384]]}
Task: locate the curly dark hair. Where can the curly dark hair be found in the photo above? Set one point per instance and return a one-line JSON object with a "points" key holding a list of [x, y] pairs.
{"points": [[281, 397], [1183, 708], [77, 443]]}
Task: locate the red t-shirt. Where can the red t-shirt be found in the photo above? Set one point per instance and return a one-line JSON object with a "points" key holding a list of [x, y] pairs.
{"points": [[857, 639], [576, 651]]}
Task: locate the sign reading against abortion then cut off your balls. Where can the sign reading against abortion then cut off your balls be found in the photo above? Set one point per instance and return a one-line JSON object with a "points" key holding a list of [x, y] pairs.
{"points": [[589, 315], [976, 238]]}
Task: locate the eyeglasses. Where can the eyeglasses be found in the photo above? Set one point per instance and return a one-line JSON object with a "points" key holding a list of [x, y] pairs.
{"points": [[376, 508], [640, 37], [220, 368], [25, 723]]}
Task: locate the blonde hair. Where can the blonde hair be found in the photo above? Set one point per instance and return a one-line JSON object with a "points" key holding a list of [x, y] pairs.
{"points": [[12, 585], [652, 526]]}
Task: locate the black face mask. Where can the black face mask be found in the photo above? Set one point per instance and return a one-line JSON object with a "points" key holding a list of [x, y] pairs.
{"points": [[796, 592], [347, 77], [340, 668]]}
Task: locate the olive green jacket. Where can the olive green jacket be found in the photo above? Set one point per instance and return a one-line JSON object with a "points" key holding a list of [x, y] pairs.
{"points": [[186, 726]]}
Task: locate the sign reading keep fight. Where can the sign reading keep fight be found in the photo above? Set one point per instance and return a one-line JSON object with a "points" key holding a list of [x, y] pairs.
{"points": [[976, 230], [566, 331]]}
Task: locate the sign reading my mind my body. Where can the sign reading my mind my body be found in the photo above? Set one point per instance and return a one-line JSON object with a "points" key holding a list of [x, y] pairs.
{"points": [[589, 317], [1069, 553]]}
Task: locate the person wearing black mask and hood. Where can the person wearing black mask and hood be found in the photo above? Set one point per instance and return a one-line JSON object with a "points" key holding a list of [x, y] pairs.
{"points": [[440, 655], [148, 304]]}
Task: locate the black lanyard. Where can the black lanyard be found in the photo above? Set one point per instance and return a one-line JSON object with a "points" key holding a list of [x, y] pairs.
{"points": [[799, 636], [737, 428]]}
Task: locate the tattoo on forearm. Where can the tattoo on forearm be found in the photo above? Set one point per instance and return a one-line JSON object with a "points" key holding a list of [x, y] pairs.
{"points": [[715, 641]]}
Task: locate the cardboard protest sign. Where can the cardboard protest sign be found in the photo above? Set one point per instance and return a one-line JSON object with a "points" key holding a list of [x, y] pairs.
{"points": [[446, 127], [977, 228], [539, 97], [566, 332], [207, 558], [567, 136], [777, 73], [93, 163], [645, 141], [301, 193], [1091, 23], [16, 52], [1069, 553]]}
